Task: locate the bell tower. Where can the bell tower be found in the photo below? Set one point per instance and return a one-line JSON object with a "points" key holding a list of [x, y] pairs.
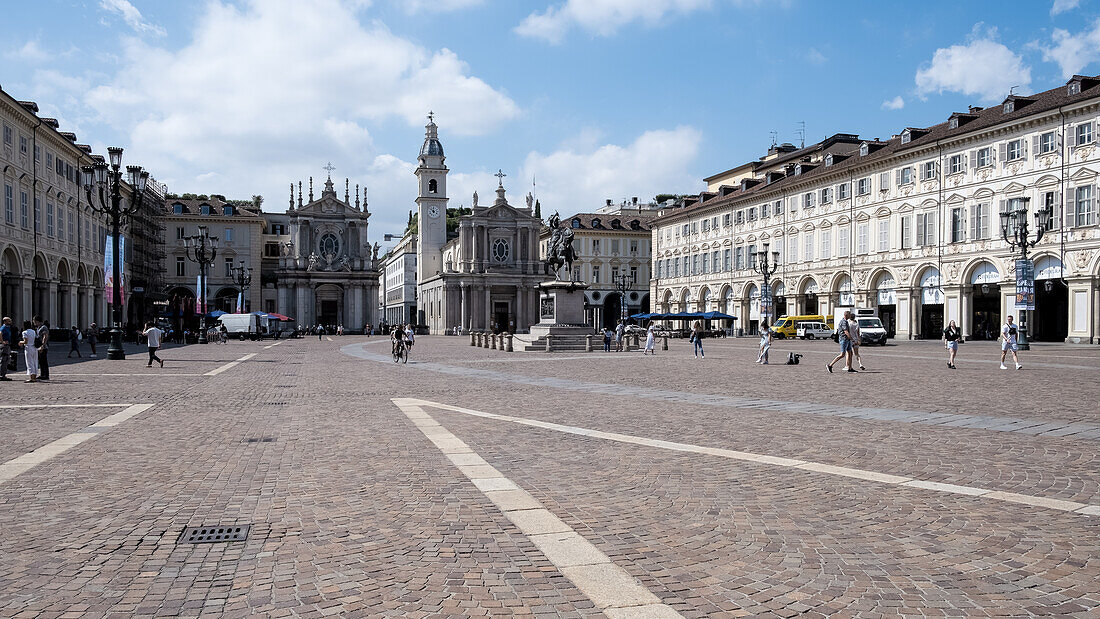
{"points": [[431, 203]]}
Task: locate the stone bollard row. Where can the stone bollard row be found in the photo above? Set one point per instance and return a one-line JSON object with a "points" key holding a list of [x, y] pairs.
{"points": [[486, 341], [473, 338], [588, 343], [507, 342]]}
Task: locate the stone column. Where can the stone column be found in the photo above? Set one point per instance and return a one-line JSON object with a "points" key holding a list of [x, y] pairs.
{"points": [[25, 293], [302, 298], [51, 310], [488, 308], [464, 312], [521, 321]]}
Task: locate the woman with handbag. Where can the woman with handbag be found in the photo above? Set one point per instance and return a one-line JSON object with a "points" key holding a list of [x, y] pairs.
{"points": [[697, 339], [951, 337]]}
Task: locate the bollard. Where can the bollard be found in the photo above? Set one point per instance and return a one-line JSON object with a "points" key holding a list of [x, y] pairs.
{"points": [[508, 342], [473, 338], [588, 343], [664, 343], [495, 343], [635, 341], [548, 343], [487, 339], [477, 336]]}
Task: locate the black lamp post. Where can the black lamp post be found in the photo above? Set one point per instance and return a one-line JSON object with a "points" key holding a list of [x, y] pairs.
{"points": [[202, 248], [108, 182], [766, 264], [620, 284], [243, 278], [1015, 232]]}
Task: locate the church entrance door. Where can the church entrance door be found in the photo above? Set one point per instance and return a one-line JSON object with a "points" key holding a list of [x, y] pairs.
{"points": [[501, 321], [329, 303]]}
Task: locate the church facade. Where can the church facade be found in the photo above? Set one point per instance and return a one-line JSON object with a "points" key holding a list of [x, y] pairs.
{"points": [[328, 272], [485, 276]]}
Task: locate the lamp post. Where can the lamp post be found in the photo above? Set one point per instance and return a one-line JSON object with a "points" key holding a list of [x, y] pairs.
{"points": [[1015, 232], [202, 249], [107, 182], [620, 284], [243, 278], [766, 264]]}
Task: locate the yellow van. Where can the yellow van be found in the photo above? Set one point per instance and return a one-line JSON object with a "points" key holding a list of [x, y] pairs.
{"points": [[786, 326]]}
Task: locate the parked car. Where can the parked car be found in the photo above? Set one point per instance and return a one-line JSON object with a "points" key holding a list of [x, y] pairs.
{"points": [[632, 329], [813, 331]]}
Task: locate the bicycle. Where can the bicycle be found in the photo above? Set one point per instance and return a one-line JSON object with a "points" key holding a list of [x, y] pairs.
{"points": [[400, 352]]}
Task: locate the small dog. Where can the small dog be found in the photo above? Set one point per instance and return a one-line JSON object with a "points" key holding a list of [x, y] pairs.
{"points": [[792, 358]]}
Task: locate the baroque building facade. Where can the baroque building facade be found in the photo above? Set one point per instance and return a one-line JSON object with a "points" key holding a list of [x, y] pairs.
{"points": [[51, 241], [486, 277], [909, 225], [611, 244]]}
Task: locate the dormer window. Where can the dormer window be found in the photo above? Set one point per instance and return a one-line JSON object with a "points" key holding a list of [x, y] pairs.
{"points": [[205, 209], [953, 123], [798, 169], [177, 208], [576, 223], [227, 210], [1008, 108], [615, 223], [828, 160], [596, 223], [906, 136], [863, 150], [1074, 88]]}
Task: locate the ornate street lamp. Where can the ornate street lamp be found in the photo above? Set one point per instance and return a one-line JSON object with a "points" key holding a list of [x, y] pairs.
{"points": [[1015, 232], [202, 249], [766, 264], [243, 278], [620, 284], [107, 182]]}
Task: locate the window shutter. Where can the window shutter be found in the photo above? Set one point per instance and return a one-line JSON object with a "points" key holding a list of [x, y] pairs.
{"points": [[931, 235], [1071, 136], [975, 214], [920, 229], [1035, 144], [897, 177], [973, 158], [1058, 140], [1002, 150], [1056, 215], [1023, 149], [1092, 132]]}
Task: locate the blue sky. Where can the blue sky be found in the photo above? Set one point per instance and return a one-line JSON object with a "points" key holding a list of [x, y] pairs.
{"points": [[594, 98]]}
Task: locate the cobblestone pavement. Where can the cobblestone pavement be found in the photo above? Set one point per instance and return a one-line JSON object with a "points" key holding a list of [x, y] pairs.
{"points": [[477, 482]]}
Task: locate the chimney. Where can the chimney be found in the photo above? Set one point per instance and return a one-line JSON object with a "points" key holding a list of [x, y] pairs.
{"points": [[608, 202], [634, 200]]}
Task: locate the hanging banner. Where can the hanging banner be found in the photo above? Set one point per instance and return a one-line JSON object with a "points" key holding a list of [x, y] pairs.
{"points": [[766, 300], [109, 271], [1025, 285], [240, 302], [200, 299]]}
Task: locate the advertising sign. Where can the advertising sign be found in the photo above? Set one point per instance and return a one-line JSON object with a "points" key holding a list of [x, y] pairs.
{"points": [[1025, 285], [200, 300], [109, 272]]}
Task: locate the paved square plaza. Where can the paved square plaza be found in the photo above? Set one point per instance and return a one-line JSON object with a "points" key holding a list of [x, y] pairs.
{"points": [[475, 482]]}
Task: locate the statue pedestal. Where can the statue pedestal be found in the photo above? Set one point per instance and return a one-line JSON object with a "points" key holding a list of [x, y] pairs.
{"points": [[561, 311]]}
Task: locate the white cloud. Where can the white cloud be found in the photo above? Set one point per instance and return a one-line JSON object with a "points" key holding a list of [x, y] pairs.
{"points": [[815, 57], [269, 91], [982, 67], [893, 104], [571, 181], [1073, 52], [1061, 6], [602, 17], [131, 16], [31, 51]]}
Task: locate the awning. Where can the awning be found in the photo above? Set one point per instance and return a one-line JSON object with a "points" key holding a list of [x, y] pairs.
{"points": [[281, 317], [685, 316]]}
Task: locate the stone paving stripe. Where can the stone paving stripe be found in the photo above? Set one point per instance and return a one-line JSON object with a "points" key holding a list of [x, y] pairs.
{"points": [[814, 467], [1083, 431], [151, 372], [608, 586], [270, 346], [230, 365], [21, 464], [117, 405], [651, 611]]}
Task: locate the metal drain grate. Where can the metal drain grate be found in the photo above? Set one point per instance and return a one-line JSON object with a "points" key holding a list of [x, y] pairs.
{"points": [[275, 403], [265, 439], [212, 535]]}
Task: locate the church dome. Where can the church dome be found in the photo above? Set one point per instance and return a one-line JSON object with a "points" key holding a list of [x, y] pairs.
{"points": [[431, 147]]}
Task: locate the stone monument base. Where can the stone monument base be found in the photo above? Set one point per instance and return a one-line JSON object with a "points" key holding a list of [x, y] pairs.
{"points": [[561, 314]]}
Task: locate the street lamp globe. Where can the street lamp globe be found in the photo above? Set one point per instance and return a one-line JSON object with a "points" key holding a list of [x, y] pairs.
{"points": [[115, 153]]}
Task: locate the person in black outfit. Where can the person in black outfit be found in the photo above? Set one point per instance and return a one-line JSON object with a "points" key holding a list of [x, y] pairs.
{"points": [[951, 337], [43, 330]]}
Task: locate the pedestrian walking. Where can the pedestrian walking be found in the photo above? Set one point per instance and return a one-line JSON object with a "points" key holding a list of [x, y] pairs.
{"points": [[320, 332], [5, 347], [30, 351], [853, 329], [409, 336], [607, 335], [93, 336], [650, 340], [620, 331], [765, 343], [951, 337], [42, 328], [844, 338], [153, 337], [74, 342], [697, 339], [1008, 342]]}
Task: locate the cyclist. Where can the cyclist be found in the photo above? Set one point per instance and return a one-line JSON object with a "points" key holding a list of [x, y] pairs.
{"points": [[400, 341]]}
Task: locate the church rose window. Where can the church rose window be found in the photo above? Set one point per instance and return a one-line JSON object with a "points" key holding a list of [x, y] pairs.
{"points": [[330, 245], [500, 250]]}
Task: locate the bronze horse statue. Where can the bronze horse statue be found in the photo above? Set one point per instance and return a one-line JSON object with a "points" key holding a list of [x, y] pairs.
{"points": [[560, 252]]}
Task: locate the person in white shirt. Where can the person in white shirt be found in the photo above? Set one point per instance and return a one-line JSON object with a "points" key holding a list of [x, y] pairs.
{"points": [[409, 339], [853, 326], [30, 351], [154, 337], [1008, 342]]}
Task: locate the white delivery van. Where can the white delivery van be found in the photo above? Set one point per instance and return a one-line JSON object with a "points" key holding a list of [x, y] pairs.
{"points": [[871, 330], [241, 326]]}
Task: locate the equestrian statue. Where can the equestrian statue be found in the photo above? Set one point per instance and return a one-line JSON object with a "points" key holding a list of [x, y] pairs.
{"points": [[560, 252]]}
